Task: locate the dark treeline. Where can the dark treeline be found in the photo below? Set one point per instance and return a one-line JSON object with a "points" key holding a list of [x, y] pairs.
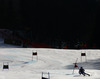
{"points": [[67, 20]]}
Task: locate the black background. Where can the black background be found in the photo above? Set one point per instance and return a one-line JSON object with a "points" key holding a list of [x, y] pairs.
{"points": [[69, 20]]}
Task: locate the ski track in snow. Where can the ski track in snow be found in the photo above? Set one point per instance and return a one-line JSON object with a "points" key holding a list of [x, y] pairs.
{"points": [[58, 62]]}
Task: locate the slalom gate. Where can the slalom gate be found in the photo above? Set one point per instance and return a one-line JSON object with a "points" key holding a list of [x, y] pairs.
{"points": [[5, 65], [75, 66], [34, 54], [83, 54], [47, 77]]}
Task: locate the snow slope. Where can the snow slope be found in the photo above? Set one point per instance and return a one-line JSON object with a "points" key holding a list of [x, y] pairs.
{"points": [[58, 62]]}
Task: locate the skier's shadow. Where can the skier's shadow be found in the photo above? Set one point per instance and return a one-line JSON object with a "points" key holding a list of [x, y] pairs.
{"points": [[90, 64]]}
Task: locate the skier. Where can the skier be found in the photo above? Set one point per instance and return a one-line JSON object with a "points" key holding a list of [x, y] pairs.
{"points": [[82, 71]]}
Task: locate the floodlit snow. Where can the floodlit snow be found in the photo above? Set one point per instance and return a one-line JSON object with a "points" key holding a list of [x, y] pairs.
{"points": [[58, 62]]}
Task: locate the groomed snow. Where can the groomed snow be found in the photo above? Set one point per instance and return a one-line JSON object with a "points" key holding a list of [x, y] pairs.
{"points": [[58, 62]]}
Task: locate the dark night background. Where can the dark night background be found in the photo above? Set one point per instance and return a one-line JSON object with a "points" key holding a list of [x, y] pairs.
{"points": [[49, 20]]}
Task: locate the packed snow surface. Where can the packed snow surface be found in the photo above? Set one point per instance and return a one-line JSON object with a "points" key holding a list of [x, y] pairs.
{"points": [[58, 62]]}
